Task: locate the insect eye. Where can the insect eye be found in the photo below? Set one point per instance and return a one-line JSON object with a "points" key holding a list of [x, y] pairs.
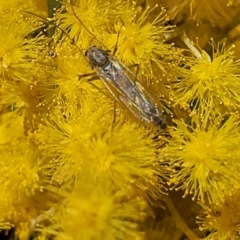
{"points": [[86, 53]]}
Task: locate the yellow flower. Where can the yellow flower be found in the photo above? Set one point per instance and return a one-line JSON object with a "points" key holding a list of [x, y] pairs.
{"points": [[26, 100], [119, 155], [94, 16], [19, 178], [19, 56], [89, 213], [23, 182], [210, 87], [140, 41], [21, 164], [222, 220], [24, 68], [205, 161]]}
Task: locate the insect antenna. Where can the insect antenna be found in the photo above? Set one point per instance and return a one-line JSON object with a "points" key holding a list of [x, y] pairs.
{"points": [[81, 22], [93, 40], [55, 25], [116, 44]]}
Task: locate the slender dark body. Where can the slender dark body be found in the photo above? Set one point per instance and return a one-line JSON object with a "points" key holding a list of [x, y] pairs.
{"points": [[124, 87]]}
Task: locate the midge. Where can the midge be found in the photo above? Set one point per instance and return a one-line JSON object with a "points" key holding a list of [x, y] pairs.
{"points": [[122, 83], [124, 87]]}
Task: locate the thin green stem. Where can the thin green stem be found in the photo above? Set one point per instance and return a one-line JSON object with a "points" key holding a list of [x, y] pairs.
{"points": [[180, 224]]}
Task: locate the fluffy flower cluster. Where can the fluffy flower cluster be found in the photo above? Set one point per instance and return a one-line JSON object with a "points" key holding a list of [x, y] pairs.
{"points": [[74, 164]]}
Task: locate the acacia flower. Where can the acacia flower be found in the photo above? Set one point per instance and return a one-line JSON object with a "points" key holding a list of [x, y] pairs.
{"points": [[205, 161], [23, 183], [222, 221], [22, 67], [140, 41], [210, 87], [20, 181], [26, 100], [119, 156], [19, 56], [88, 214], [94, 15]]}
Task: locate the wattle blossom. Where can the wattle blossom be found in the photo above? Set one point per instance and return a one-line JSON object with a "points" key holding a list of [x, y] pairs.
{"points": [[205, 160], [75, 164]]}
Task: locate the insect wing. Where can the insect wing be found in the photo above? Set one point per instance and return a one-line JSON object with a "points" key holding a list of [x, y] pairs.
{"points": [[123, 85], [149, 105]]}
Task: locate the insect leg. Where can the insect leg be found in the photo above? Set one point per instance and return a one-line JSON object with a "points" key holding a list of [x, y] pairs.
{"points": [[114, 102], [93, 79], [114, 112], [99, 89], [116, 45], [86, 75], [133, 66]]}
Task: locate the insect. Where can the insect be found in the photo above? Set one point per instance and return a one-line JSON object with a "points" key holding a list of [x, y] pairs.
{"points": [[124, 87], [122, 84]]}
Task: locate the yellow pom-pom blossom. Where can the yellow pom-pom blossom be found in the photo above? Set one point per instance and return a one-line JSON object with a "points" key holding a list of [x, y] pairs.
{"points": [[23, 184], [29, 100], [95, 15], [89, 213], [210, 87], [140, 41], [22, 66], [20, 181], [19, 56], [119, 155], [205, 161], [221, 221]]}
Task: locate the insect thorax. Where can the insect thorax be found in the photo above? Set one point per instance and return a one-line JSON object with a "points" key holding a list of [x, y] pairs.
{"points": [[97, 57]]}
